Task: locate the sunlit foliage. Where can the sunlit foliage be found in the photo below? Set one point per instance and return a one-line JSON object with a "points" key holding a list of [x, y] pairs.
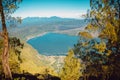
{"points": [[15, 59], [85, 35], [72, 67], [100, 55]]}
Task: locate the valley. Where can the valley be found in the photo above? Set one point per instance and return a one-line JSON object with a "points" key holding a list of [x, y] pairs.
{"points": [[32, 27]]}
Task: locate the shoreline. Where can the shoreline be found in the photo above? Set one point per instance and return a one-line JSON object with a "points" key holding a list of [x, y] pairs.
{"points": [[52, 59], [49, 59], [72, 32], [34, 36], [38, 61], [69, 32]]}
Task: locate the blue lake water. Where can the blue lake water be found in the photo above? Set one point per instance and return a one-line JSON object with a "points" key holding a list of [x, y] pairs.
{"points": [[53, 44]]}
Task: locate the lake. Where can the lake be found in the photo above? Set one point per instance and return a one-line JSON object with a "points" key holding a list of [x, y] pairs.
{"points": [[53, 44]]}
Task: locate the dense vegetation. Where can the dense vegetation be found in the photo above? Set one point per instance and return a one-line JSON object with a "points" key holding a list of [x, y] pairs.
{"points": [[72, 68], [99, 44], [15, 59]]}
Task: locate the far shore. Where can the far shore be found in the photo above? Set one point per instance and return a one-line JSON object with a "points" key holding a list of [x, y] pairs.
{"points": [[41, 34], [69, 32], [44, 60]]}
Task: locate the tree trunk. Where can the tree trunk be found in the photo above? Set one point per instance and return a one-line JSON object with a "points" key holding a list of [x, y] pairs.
{"points": [[5, 54]]}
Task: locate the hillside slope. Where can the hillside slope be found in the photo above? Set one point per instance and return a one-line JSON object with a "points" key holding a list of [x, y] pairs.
{"points": [[32, 61], [36, 63]]}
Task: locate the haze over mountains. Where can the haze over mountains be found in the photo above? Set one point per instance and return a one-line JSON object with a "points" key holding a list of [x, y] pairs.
{"points": [[32, 26]]}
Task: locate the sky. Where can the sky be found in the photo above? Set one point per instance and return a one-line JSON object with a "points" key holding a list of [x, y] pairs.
{"points": [[48, 8]]}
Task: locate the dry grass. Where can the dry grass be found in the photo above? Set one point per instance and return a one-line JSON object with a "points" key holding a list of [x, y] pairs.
{"points": [[34, 62]]}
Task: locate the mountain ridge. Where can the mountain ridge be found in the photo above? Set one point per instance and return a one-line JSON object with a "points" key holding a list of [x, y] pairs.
{"points": [[37, 25], [51, 17]]}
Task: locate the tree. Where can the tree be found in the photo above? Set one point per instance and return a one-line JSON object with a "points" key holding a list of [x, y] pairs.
{"points": [[6, 7], [91, 51], [101, 57], [14, 53], [72, 67], [106, 17]]}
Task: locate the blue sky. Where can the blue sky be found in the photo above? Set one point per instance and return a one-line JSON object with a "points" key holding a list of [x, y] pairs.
{"points": [[48, 8]]}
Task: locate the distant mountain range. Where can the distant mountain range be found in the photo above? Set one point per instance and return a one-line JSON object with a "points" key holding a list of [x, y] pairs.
{"points": [[49, 20], [37, 25]]}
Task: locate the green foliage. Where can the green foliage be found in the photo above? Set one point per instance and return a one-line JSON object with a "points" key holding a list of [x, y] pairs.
{"points": [[15, 59], [10, 5], [108, 20], [109, 33], [90, 27], [14, 62], [85, 35], [72, 67], [101, 57], [16, 46], [100, 47]]}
